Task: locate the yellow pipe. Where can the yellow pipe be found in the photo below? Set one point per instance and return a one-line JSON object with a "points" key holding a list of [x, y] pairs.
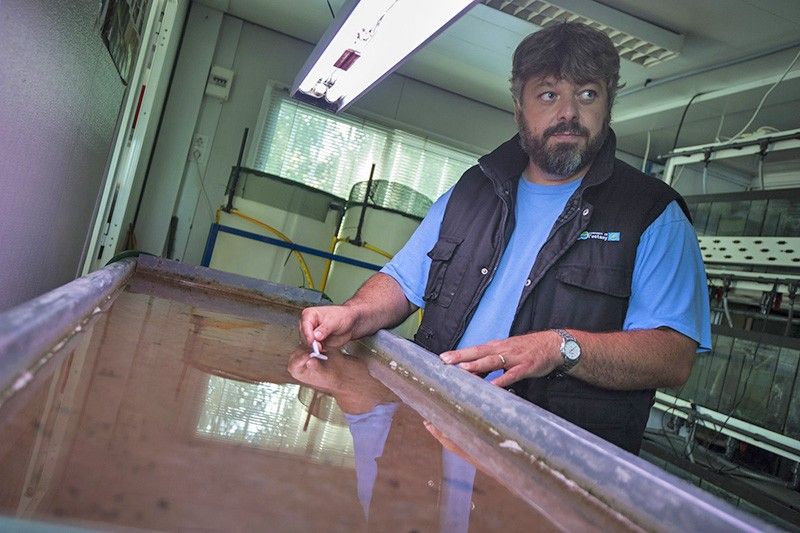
{"points": [[384, 253], [282, 236], [328, 263], [334, 241]]}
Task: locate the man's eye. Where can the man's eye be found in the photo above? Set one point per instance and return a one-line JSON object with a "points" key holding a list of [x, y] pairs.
{"points": [[588, 95], [548, 96]]}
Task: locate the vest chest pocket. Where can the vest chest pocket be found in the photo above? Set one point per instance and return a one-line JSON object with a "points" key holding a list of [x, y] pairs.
{"points": [[604, 280], [593, 298], [443, 277]]}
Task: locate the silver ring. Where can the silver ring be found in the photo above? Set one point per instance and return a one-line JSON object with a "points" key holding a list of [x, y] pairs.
{"points": [[502, 360]]}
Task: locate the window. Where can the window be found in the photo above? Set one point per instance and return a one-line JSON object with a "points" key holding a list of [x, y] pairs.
{"points": [[276, 417], [334, 152]]}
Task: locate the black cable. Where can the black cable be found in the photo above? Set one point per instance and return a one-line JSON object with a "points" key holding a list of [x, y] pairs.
{"points": [[329, 7], [792, 294], [126, 254], [720, 467], [683, 116], [674, 406], [737, 403]]}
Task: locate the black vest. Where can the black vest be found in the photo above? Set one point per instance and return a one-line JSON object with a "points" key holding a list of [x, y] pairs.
{"points": [[581, 278]]}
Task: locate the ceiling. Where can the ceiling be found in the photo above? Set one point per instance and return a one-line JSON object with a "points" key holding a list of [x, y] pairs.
{"points": [[733, 50]]}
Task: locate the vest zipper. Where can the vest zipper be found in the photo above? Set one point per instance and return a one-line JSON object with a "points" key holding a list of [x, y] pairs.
{"points": [[503, 194], [526, 292]]}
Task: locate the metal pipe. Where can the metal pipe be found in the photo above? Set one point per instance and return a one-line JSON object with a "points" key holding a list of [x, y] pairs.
{"points": [[655, 83], [357, 240], [755, 278], [751, 314], [236, 173], [730, 146]]}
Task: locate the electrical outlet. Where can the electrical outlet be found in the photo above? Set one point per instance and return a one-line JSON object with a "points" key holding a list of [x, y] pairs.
{"points": [[199, 148]]}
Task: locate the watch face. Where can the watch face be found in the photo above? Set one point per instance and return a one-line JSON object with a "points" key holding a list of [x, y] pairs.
{"points": [[572, 350]]}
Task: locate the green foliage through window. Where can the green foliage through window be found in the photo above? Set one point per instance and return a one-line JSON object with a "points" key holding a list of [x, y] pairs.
{"points": [[332, 152]]}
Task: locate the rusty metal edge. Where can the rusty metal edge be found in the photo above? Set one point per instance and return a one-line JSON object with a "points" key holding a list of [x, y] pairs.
{"points": [[642, 492], [32, 330], [623, 481], [230, 283]]}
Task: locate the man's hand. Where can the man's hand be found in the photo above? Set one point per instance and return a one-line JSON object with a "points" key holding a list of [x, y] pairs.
{"points": [[379, 303], [332, 324], [532, 355], [345, 378], [621, 360]]}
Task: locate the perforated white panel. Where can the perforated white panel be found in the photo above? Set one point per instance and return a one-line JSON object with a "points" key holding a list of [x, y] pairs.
{"points": [[761, 251]]}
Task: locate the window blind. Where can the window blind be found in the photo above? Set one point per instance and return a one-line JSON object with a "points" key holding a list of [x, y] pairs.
{"points": [[271, 417], [334, 152]]}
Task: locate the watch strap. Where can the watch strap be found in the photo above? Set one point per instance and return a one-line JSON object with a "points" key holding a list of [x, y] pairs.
{"points": [[567, 362]]}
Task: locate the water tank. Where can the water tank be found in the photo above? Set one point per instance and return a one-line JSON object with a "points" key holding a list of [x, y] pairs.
{"points": [[392, 213], [306, 215]]}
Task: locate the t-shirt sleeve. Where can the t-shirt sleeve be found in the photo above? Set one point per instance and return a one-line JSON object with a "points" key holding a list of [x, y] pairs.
{"points": [[669, 287], [410, 266]]}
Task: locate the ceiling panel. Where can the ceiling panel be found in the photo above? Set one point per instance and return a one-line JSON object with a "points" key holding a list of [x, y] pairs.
{"points": [[473, 58]]}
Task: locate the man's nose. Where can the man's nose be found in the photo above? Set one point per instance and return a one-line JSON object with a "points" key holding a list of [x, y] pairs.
{"points": [[568, 110]]}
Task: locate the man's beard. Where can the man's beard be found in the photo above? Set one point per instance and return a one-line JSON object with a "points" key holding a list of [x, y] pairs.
{"points": [[562, 159]]}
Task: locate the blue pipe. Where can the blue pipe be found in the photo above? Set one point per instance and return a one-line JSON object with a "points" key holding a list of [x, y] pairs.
{"points": [[217, 228], [210, 242]]}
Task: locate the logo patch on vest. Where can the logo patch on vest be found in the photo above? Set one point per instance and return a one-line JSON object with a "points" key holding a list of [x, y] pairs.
{"points": [[608, 236]]}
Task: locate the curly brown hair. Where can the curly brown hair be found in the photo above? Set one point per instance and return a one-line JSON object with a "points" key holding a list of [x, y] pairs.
{"points": [[570, 51]]}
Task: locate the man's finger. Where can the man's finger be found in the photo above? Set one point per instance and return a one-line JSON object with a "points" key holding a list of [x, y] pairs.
{"points": [[309, 320], [320, 333], [484, 364], [465, 354], [509, 377]]}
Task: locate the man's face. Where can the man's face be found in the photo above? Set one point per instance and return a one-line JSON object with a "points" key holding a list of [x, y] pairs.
{"points": [[562, 125]]}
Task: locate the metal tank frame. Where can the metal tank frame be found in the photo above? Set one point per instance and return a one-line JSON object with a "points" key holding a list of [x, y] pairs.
{"points": [[578, 479]]}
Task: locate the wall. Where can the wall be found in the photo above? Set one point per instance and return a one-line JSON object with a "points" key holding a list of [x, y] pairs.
{"points": [[259, 56], [169, 159], [59, 99]]}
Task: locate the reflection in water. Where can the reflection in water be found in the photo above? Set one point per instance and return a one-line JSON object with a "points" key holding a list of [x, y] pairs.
{"points": [[166, 415], [271, 417], [371, 417]]}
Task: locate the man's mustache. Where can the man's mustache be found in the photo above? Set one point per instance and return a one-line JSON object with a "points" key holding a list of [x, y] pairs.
{"points": [[572, 128]]}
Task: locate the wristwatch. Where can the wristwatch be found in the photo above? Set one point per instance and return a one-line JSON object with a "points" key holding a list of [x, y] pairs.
{"points": [[570, 352]]}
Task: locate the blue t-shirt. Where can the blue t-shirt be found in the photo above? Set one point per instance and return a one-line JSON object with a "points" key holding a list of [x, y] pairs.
{"points": [[668, 289]]}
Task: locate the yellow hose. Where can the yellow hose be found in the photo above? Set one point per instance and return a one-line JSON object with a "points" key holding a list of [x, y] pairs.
{"points": [[329, 263], [385, 254], [337, 240], [334, 241], [282, 236]]}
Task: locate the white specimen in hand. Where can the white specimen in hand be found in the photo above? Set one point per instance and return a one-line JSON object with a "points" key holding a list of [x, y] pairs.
{"points": [[315, 351]]}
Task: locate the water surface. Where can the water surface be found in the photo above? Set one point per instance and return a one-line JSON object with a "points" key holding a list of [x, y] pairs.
{"points": [[180, 410]]}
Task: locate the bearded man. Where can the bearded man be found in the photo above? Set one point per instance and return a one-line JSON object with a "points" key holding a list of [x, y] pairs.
{"points": [[553, 268]]}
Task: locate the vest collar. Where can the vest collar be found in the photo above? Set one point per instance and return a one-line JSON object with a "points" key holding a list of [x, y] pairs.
{"points": [[506, 163]]}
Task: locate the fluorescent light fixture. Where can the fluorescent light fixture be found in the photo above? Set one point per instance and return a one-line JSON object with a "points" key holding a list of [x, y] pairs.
{"points": [[636, 40], [367, 41]]}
